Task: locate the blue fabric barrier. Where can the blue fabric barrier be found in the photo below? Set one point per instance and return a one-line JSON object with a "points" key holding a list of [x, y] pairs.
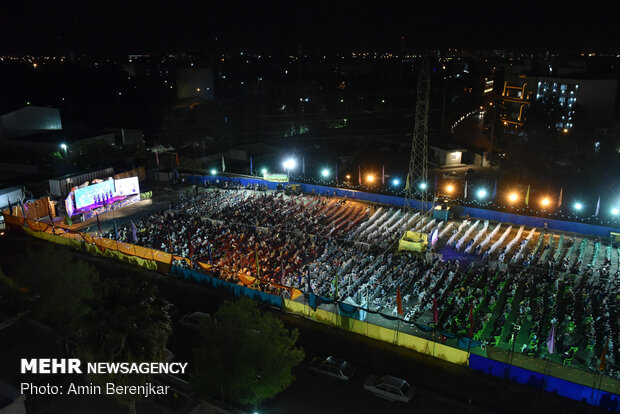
{"points": [[315, 301], [236, 290], [349, 311], [479, 213], [569, 226], [466, 343], [562, 387], [423, 328]]}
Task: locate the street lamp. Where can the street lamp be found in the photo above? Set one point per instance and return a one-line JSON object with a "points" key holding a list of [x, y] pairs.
{"points": [[578, 206], [288, 165], [513, 197], [450, 188], [213, 171], [395, 182], [325, 173], [615, 211], [482, 193], [264, 171], [63, 146], [370, 178], [423, 186]]}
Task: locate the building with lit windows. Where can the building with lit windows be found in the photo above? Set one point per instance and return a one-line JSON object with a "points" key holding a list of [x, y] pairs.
{"points": [[595, 96], [515, 100]]}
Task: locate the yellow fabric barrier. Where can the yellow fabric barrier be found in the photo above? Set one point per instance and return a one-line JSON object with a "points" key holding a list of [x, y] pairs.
{"points": [[33, 233], [101, 247], [447, 353], [13, 220], [125, 248], [143, 252], [88, 238], [105, 243], [162, 257], [37, 225], [76, 244]]}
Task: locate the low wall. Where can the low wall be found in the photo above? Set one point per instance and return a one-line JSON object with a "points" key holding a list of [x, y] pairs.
{"points": [[437, 350], [479, 213], [568, 389], [232, 288]]}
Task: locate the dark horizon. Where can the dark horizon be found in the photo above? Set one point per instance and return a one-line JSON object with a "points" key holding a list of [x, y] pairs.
{"points": [[113, 28]]}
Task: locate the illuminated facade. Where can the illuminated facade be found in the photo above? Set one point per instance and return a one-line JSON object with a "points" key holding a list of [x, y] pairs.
{"points": [[563, 93], [594, 96], [515, 100], [488, 85]]}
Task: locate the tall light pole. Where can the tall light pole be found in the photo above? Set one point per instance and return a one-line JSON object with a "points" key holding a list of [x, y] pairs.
{"points": [[289, 164]]}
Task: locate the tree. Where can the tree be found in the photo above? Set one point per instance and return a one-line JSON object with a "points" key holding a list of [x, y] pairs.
{"points": [[129, 323], [10, 296], [245, 356], [65, 286]]}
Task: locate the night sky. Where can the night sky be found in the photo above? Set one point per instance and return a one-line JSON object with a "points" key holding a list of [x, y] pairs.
{"points": [[318, 26]]}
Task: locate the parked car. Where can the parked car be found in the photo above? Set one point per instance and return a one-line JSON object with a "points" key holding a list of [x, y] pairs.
{"points": [[332, 367], [192, 320], [389, 387]]}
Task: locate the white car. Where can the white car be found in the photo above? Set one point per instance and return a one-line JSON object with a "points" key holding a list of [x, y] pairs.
{"points": [[390, 388], [332, 367]]}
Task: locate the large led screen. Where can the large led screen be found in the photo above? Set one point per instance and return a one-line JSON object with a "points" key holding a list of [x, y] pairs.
{"points": [[126, 186], [93, 194]]}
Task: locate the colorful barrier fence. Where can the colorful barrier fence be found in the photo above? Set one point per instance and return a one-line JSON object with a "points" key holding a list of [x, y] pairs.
{"points": [[453, 355], [237, 290], [149, 258]]}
